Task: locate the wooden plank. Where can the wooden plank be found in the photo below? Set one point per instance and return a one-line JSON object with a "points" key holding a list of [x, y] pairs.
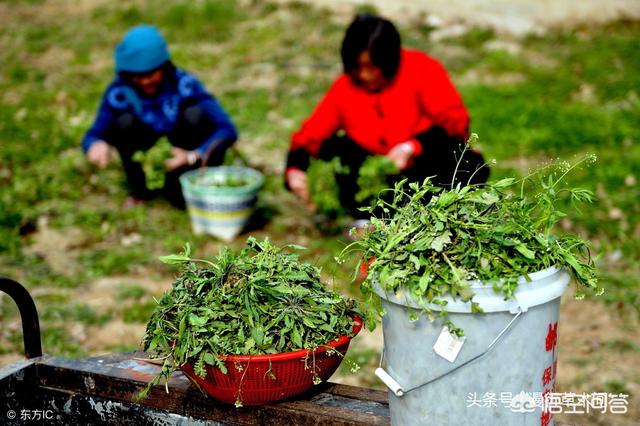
{"points": [[10, 370], [120, 385], [108, 386], [303, 413], [120, 379], [368, 407], [16, 388], [68, 408], [115, 358], [358, 393]]}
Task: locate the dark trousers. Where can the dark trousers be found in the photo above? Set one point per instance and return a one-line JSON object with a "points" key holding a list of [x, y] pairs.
{"points": [[129, 134], [441, 158]]}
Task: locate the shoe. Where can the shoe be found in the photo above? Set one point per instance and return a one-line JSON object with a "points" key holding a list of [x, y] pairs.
{"points": [[357, 229], [131, 202]]}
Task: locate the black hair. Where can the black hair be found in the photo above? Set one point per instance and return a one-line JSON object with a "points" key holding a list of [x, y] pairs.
{"points": [[377, 35], [168, 70]]}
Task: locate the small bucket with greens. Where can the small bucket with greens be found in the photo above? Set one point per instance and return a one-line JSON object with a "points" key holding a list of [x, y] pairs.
{"points": [[220, 200], [251, 327]]}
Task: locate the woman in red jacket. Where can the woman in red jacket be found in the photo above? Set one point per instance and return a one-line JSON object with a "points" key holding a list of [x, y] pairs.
{"points": [[390, 101]]}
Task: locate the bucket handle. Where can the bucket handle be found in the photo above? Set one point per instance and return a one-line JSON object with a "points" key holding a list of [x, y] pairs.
{"points": [[214, 145], [399, 391]]}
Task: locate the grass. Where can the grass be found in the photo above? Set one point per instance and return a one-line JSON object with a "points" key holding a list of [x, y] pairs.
{"points": [[560, 95]]}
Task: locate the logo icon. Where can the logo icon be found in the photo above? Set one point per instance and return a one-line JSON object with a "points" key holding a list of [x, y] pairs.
{"points": [[523, 403]]}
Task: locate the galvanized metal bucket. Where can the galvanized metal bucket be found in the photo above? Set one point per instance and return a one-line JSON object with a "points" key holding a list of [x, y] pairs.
{"points": [[504, 370]]}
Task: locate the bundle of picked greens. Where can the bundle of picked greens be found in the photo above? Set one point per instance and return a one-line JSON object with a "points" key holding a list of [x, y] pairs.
{"points": [[373, 177], [323, 186], [433, 243], [261, 300], [324, 189], [152, 162]]}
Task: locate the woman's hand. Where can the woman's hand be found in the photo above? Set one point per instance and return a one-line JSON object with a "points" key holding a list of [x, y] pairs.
{"points": [[401, 155], [297, 181], [99, 153], [181, 157]]}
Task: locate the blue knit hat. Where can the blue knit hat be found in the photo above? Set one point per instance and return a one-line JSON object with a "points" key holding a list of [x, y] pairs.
{"points": [[142, 49]]}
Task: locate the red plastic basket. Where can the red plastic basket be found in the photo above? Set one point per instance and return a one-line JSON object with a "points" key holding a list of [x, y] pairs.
{"points": [[260, 379]]}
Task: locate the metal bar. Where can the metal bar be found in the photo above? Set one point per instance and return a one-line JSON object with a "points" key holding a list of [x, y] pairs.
{"points": [[28, 314]]}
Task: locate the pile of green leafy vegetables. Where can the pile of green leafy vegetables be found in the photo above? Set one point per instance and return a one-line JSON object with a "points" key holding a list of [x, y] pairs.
{"points": [[323, 186], [152, 162], [373, 177], [324, 189], [260, 300], [224, 181], [433, 243]]}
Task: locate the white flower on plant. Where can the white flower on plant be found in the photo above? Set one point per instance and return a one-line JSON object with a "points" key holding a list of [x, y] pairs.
{"points": [[564, 166]]}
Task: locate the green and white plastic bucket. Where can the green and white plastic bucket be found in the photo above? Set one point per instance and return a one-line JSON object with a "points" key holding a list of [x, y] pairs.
{"points": [[505, 367], [220, 200]]}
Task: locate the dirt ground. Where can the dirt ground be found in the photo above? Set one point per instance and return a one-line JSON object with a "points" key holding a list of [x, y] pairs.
{"points": [[512, 16]]}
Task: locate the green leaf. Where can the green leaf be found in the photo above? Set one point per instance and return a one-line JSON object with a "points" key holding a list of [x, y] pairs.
{"points": [[423, 282], [441, 240], [466, 294], [308, 322], [181, 328], [283, 289], [522, 249], [258, 335], [504, 183], [174, 259], [209, 358], [249, 345], [416, 262], [296, 338], [296, 247], [196, 320]]}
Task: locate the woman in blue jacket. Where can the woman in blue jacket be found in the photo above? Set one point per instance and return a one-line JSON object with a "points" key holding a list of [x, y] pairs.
{"points": [[150, 98]]}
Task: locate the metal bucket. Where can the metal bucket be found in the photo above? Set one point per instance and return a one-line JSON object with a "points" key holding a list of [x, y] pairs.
{"points": [[216, 209], [504, 370]]}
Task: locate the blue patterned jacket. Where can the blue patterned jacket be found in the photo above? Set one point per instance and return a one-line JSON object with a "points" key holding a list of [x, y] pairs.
{"points": [[160, 112]]}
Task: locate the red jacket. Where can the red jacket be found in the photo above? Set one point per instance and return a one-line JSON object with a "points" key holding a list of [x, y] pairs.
{"points": [[420, 96]]}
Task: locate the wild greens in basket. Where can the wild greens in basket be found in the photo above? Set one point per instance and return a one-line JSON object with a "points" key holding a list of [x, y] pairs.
{"points": [[433, 242], [261, 300], [222, 181]]}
